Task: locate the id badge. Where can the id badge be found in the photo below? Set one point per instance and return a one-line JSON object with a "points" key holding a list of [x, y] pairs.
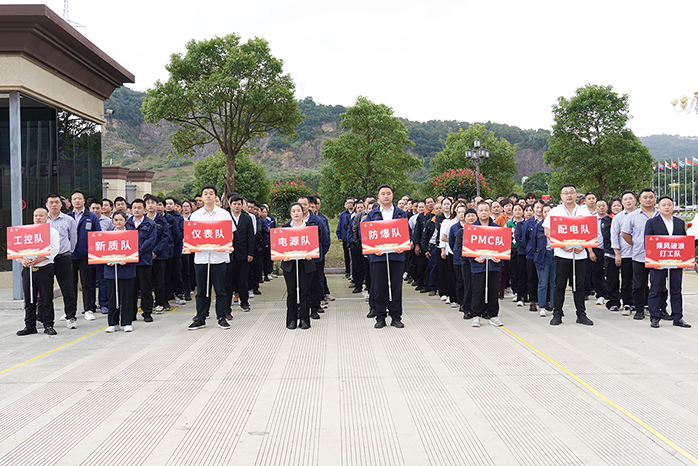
{"points": [[88, 225]]}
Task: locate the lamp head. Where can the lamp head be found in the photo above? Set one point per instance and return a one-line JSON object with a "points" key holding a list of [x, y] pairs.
{"points": [[476, 142]]}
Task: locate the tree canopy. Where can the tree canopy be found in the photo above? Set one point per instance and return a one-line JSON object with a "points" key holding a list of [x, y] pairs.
{"points": [[251, 181], [225, 91], [371, 153], [499, 170], [537, 182], [592, 146]]}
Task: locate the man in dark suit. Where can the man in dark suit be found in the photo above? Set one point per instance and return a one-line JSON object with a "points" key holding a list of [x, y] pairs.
{"points": [[238, 270], [665, 224], [422, 261]]}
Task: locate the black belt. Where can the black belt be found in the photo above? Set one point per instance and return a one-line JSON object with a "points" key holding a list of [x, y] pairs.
{"points": [[65, 254]]}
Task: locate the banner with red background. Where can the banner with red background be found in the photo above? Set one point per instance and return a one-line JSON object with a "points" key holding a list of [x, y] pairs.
{"points": [[385, 236], [208, 236], [294, 243], [579, 232], [487, 242], [669, 252], [29, 241], [104, 247]]}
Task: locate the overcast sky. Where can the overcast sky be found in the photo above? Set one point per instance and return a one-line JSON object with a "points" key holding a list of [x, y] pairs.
{"points": [[499, 60]]}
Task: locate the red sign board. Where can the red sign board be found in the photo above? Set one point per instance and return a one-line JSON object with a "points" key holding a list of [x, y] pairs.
{"points": [[385, 236], [294, 243], [104, 247], [669, 252], [578, 232], [487, 242], [208, 236], [29, 241]]}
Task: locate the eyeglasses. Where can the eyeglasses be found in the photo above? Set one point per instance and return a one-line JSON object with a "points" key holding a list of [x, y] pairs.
{"points": [[568, 193]]}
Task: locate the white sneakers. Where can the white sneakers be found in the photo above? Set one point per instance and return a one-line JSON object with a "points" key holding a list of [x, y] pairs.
{"points": [[601, 301], [180, 301], [72, 323], [89, 315], [476, 322], [513, 299], [128, 328], [158, 309], [520, 304], [495, 321], [454, 305], [63, 317], [543, 312], [444, 298], [112, 329]]}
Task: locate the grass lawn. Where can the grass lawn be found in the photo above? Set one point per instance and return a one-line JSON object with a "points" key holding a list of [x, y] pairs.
{"points": [[335, 256]]}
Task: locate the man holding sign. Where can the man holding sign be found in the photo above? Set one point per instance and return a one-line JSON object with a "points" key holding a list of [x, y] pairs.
{"points": [[570, 260], [670, 261], [387, 269]]}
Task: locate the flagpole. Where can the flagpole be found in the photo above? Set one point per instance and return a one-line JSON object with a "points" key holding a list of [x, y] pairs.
{"points": [[693, 180], [685, 186]]}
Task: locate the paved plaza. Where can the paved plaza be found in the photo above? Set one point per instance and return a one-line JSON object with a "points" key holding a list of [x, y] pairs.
{"points": [[437, 392]]}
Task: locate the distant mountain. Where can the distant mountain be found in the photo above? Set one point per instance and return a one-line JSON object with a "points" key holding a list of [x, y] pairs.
{"points": [[665, 146]]}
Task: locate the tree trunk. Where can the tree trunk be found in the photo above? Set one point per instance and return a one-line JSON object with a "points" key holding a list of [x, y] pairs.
{"points": [[229, 174]]}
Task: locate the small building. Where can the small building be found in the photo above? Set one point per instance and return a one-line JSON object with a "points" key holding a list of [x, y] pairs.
{"points": [[127, 183], [53, 84]]}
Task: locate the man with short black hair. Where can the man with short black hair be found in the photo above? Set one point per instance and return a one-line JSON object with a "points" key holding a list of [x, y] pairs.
{"points": [[107, 207], [120, 204], [66, 226], [159, 254], [86, 222], [238, 269], [97, 270], [343, 231], [174, 267], [147, 239], [623, 255]]}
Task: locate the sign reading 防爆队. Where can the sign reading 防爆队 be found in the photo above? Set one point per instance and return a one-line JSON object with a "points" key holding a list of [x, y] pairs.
{"points": [[294, 243], [669, 252], [29, 241], [578, 232], [486, 242], [385, 236], [104, 247], [214, 236]]}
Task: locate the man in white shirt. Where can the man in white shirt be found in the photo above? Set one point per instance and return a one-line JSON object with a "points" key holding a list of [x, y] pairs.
{"points": [[217, 260], [42, 278], [564, 258]]}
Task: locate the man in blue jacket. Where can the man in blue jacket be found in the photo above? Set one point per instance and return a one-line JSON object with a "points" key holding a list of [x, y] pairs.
{"points": [[378, 263], [159, 253], [343, 232], [87, 222], [147, 238], [175, 262]]}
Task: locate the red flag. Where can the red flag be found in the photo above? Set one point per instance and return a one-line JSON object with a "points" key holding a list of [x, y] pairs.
{"points": [[673, 165]]}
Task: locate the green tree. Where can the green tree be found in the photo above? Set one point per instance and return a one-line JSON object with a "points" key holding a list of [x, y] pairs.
{"points": [[283, 194], [537, 181], [453, 183], [369, 154], [592, 146], [227, 92], [499, 170], [251, 180]]}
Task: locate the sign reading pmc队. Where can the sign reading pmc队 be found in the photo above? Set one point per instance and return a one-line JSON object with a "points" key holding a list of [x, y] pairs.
{"points": [[208, 236], [29, 241], [385, 236], [669, 252], [578, 232], [487, 242], [294, 243], [104, 247]]}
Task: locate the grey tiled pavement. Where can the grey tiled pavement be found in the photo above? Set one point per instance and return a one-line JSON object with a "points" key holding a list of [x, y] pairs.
{"points": [[437, 392]]}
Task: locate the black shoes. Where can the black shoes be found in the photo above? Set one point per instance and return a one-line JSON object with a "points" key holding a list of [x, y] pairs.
{"points": [[639, 315], [228, 315], [50, 331], [187, 296], [147, 318], [467, 315], [356, 290], [379, 324], [681, 323], [371, 313], [654, 323], [291, 325], [664, 315], [396, 323], [432, 293], [305, 325], [584, 320], [557, 318], [245, 307], [26, 331], [223, 323], [533, 307], [197, 324], [314, 314], [256, 292]]}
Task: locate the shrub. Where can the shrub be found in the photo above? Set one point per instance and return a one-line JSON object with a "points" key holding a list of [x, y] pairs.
{"points": [[461, 181], [283, 194]]}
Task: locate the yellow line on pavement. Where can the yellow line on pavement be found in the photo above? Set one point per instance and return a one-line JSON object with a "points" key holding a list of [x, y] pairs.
{"points": [[51, 351], [643, 424]]}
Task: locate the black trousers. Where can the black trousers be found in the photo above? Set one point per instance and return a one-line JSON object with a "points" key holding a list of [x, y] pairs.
{"points": [[186, 272], [612, 282], [173, 284], [317, 290], [532, 277], [422, 274], [442, 275], [217, 281], [347, 258], [253, 273], [450, 280], [459, 284], [563, 275], [237, 274], [514, 272], [626, 284], [127, 297], [80, 266], [658, 292], [522, 277], [63, 271], [641, 290], [596, 273], [268, 263], [379, 289], [42, 284], [294, 310], [479, 307], [467, 303], [358, 272], [144, 283], [159, 275]]}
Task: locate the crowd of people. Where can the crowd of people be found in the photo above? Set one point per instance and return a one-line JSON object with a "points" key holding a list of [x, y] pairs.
{"points": [[537, 275]]}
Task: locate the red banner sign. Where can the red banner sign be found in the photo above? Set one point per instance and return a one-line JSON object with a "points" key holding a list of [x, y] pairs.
{"points": [[669, 252], [487, 242], [208, 236], [29, 241], [385, 236], [578, 232], [104, 247], [294, 243]]}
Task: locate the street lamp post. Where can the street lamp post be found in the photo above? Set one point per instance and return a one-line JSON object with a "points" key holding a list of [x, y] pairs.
{"points": [[476, 155]]}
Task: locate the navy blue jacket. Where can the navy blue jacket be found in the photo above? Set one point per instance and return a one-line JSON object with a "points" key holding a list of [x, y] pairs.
{"points": [[147, 236], [343, 227], [178, 233], [243, 238], [539, 245], [163, 238], [529, 226], [172, 234], [325, 245], [455, 245], [89, 222], [520, 238], [323, 234], [125, 271], [606, 235], [475, 266], [265, 236], [376, 216]]}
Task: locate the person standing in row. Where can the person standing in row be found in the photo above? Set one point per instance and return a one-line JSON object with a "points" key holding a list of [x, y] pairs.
{"points": [[86, 222], [623, 254], [148, 232], [97, 271], [306, 268], [120, 317], [159, 253], [485, 299], [66, 226], [238, 269], [42, 278]]}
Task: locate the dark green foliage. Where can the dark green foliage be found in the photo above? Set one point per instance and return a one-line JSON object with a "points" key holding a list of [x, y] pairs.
{"points": [[126, 104], [537, 181]]}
